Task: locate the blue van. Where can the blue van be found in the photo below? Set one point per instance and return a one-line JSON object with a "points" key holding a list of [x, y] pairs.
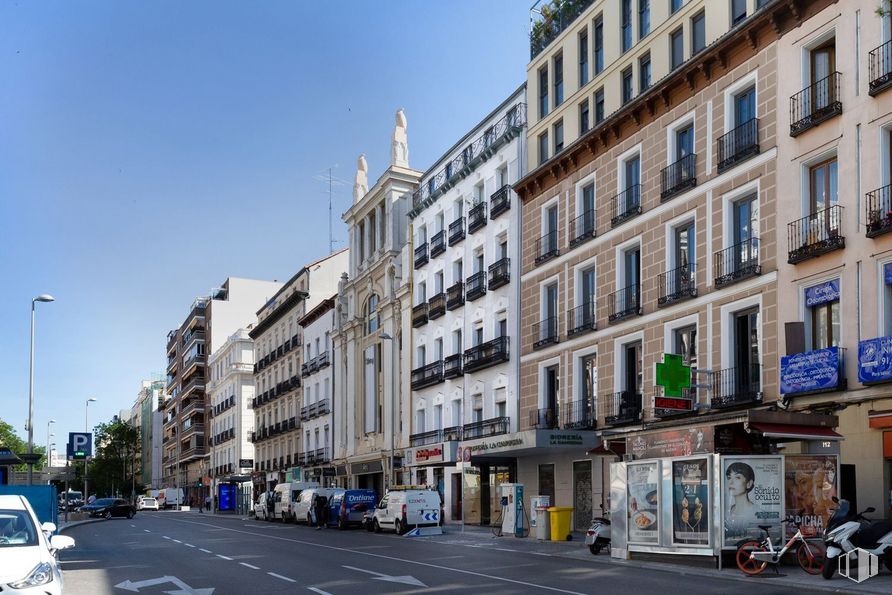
{"points": [[349, 506]]}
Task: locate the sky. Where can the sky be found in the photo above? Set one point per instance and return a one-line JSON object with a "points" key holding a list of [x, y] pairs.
{"points": [[150, 150]]}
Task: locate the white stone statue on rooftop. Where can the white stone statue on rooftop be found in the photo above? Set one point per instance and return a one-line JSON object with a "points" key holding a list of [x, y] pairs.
{"points": [[399, 153], [361, 181]]}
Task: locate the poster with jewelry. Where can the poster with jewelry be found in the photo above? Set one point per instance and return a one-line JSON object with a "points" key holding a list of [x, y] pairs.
{"points": [[690, 502], [752, 495]]}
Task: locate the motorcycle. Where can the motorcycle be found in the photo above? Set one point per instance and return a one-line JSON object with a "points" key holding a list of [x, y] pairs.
{"points": [[598, 535], [847, 530]]}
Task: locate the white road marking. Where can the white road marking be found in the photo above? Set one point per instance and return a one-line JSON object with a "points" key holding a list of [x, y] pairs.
{"points": [[250, 566], [188, 545], [503, 549], [284, 578], [320, 591], [206, 551], [132, 525], [177, 541], [166, 537], [146, 530], [224, 557], [541, 554], [404, 579]]}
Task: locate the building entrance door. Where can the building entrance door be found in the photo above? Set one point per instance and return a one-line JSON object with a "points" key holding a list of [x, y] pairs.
{"points": [[582, 494]]}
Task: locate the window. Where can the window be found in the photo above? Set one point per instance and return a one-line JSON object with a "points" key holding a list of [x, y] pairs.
{"points": [[631, 173], [644, 72], [643, 18], [744, 106], [631, 268], [599, 44], [550, 308], [543, 148], [373, 229], [457, 276], [559, 136], [419, 421], [478, 335], [632, 378], [599, 106], [583, 117], [456, 413], [502, 248], [478, 261], [501, 327], [626, 26], [543, 92], [823, 186], [675, 5], [558, 80], [683, 240], [589, 378], [438, 417], [551, 228], [361, 241], [438, 349], [371, 314], [627, 85], [824, 322], [421, 293], [551, 388], [456, 341], [698, 33], [746, 347], [684, 343], [449, 170], [684, 141], [438, 282], [822, 63], [676, 48], [583, 58], [421, 355], [738, 11], [587, 294], [501, 409], [478, 194]]}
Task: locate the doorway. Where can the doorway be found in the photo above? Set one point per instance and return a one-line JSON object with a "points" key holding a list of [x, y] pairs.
{"points": [[582, 494]]}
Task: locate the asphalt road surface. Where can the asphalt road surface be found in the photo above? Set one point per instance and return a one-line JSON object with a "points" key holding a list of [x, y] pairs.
{"points": [[186, 553]]}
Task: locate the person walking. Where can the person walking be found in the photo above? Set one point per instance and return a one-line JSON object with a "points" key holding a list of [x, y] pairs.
{"points": [[319, 505]]}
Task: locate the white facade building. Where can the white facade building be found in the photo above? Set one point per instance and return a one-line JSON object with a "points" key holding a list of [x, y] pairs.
{"points": [[465, 295], [316, 376]]}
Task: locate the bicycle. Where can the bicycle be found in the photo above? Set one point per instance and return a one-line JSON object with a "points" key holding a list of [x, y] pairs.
{"points": [[754, 556]]}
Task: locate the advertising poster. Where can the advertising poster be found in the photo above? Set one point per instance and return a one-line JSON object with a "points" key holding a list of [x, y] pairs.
{"points": [[644, 502], [810, 483], [690, 502], [672, 443], [752, 495]]}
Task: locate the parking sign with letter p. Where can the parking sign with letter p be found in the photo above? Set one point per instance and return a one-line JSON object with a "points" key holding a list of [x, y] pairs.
{"points": [[80, 445]]}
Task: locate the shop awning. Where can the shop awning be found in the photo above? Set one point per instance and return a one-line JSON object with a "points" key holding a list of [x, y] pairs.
{"points": [[794, 431]]}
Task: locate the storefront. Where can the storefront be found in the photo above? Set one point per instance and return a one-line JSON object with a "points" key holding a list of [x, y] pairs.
{"points": [[368, 475], [431, 465]]}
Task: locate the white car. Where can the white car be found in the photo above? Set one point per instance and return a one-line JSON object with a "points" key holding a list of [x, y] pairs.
{"points": [[148, 503], [28, 550]]}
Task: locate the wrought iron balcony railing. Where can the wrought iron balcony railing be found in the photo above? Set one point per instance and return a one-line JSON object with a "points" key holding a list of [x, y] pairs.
{"points": [[622, 408], [488, 427], [419, 315], [583, 228], [545, 332], [500, 201], [455, 295], [624, 303], [421, 255], [438, 243], [476, 217], [879, 211], [499, 273], [452, 434], [544, 419], [678, 177], [626, 204], [583, 319], [578, 415], [476, 286], [737, 262], [436, 306], [815, 104], [425, 438], [880, 69], [486, 354], [739, 144], [815, 234], [737, 386], [678, 284], [427, 375], [456, 231], [547, 247], [452, 366]]}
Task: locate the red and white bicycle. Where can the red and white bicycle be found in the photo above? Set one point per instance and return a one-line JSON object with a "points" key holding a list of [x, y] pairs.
{"points": [[754, 556]]}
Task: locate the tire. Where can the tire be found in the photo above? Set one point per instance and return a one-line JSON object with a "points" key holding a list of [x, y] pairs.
{"points": [[376, 526], [594, 549], [744, 563], [342, 524], [108, 514], [129, 514], [811, 563], [369, 527], [398, 527], [829, 568]]}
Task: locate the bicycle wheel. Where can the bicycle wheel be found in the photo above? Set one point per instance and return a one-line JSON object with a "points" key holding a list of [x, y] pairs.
{"points": [[811, 557], [747, 564]]}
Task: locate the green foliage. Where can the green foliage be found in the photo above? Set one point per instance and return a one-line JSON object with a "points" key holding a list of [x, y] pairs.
{"points": [[9, 439], [112, 468]]}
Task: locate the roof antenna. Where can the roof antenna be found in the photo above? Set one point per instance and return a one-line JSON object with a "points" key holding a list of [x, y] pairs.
{"points": [[332, 182]]}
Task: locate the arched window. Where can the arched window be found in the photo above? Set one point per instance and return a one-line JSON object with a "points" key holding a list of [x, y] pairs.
{"points": [[372, 318]]}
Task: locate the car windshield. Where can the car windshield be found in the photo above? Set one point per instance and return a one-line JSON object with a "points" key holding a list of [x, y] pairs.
{"points": [[16, 528]]}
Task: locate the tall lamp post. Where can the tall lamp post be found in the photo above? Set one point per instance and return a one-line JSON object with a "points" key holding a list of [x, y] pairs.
{"points": [[87, 425], [44, 297], [48, 436]]}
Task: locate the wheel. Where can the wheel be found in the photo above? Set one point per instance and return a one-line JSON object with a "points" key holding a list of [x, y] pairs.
{"points": [[129, 514], [398, 527], [369, 527], [811, 557], [594, 549], [746, 564], [829, 568], [376, 526], [342, 524]]}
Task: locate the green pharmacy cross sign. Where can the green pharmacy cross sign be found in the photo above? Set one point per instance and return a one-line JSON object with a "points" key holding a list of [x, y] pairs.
{"points": [[673, 375]]}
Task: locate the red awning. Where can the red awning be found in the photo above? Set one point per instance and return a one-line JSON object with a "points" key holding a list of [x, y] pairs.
{"points": [[795, 432]]}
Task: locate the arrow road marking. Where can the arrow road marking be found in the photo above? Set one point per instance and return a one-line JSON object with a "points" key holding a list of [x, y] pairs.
{"points": [[185, 589], [284, 578], [405, 579]]}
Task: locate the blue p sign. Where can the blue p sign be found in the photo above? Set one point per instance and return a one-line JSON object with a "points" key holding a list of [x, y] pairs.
{"points": [[80, 445]]}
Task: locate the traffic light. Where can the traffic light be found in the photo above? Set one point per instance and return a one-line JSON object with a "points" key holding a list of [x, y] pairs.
{"points": [[199, 483]]}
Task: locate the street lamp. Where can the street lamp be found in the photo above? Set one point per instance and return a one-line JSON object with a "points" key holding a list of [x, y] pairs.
{"points": [[86, 425], [44, 297], [48, 436]]}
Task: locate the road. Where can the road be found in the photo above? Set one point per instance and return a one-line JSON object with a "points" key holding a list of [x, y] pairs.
{"points": [[204, 554]]}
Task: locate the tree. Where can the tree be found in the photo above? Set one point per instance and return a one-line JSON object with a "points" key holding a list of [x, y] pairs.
{"points": [[9, 439], [112, 467]]}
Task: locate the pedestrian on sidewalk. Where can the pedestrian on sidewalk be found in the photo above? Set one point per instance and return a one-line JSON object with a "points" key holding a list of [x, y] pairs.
{"points": [[207, 503], [319, 505]]}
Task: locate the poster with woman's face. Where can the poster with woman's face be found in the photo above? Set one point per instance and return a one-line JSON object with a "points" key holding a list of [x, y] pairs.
{"points": [[809, 486], [690, 502], [643, 502], [751, 496]]}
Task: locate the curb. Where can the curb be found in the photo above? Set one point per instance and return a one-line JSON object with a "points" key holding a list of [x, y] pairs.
{"points": [[76, 523]]}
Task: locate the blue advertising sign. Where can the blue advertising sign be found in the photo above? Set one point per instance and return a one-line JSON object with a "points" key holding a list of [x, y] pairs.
{"points": [[226, 496], [875, 360], [810, 371], [80, 445], [822, 293]]}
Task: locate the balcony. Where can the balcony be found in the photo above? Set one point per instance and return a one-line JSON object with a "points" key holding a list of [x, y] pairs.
{"points": [[815, 234], [172, 366], [678, 177], [880, 69], [548, 24], [425, 438], [622, 408], [421, 256], [436, 306], [677, 285], [476, 217], [419, 314], [738, 145], [171, 342], [197, 428], [427, 375], [323, 360], [583, 228], [455, 296], [191, 452], [307, 412], [323, 406], [583, 319], [196, 382], [626, 205], [476, 286], [293, 423], [815, 104], [547, 247], [733, 387], [486, 354], [500, 201], [488, 427], [625, 303], [452, 367], [544, 419], [740, 261], [499, 273], [191, 407], [192, 336], [879, 211], [578, 415], [545, 332], [452, 434], [322, 455], [197, 312], [194, 361], [305, 369], [456, 231], [438, 243]]}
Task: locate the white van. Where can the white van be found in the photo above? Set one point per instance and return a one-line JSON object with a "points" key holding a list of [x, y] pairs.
{"points": [[260, 507], [286, 496], [403, 509], [305, 503]]}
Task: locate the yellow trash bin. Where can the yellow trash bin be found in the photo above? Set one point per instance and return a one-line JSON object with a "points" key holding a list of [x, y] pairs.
{"points": [[560, 517]]}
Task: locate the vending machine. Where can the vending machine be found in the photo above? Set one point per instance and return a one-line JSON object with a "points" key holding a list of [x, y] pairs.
{"points": [[513, 520]]}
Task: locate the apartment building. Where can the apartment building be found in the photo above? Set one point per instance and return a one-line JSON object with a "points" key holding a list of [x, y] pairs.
{"points": [[146, 412], [465, 223], [372, 309], [834, 128], [210, 321], [316, 374], [649, 303], [278, 359]]}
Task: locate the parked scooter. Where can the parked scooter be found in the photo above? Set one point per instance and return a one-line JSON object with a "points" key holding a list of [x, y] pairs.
{"points": [[598, 535], [847, 530]]}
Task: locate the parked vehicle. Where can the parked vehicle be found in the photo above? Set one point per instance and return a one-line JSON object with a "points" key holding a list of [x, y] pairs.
{"points": [[405, 507], [109, 507], [349, 506], [71, 500], [171, 497], [598, 535], [306, 500], [847, 530], [147, 503], [754, 556], [261, 510], [286, 496], [28, 550]]}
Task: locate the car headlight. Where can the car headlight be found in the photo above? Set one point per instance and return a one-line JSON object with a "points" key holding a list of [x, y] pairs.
{"points": [[41, 575]]}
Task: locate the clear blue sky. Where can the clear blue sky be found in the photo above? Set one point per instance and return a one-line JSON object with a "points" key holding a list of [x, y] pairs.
{"points": [[148, 150]]}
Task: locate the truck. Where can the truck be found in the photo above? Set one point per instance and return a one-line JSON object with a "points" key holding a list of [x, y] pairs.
{"points": [[170, 497], [71, 500]]}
